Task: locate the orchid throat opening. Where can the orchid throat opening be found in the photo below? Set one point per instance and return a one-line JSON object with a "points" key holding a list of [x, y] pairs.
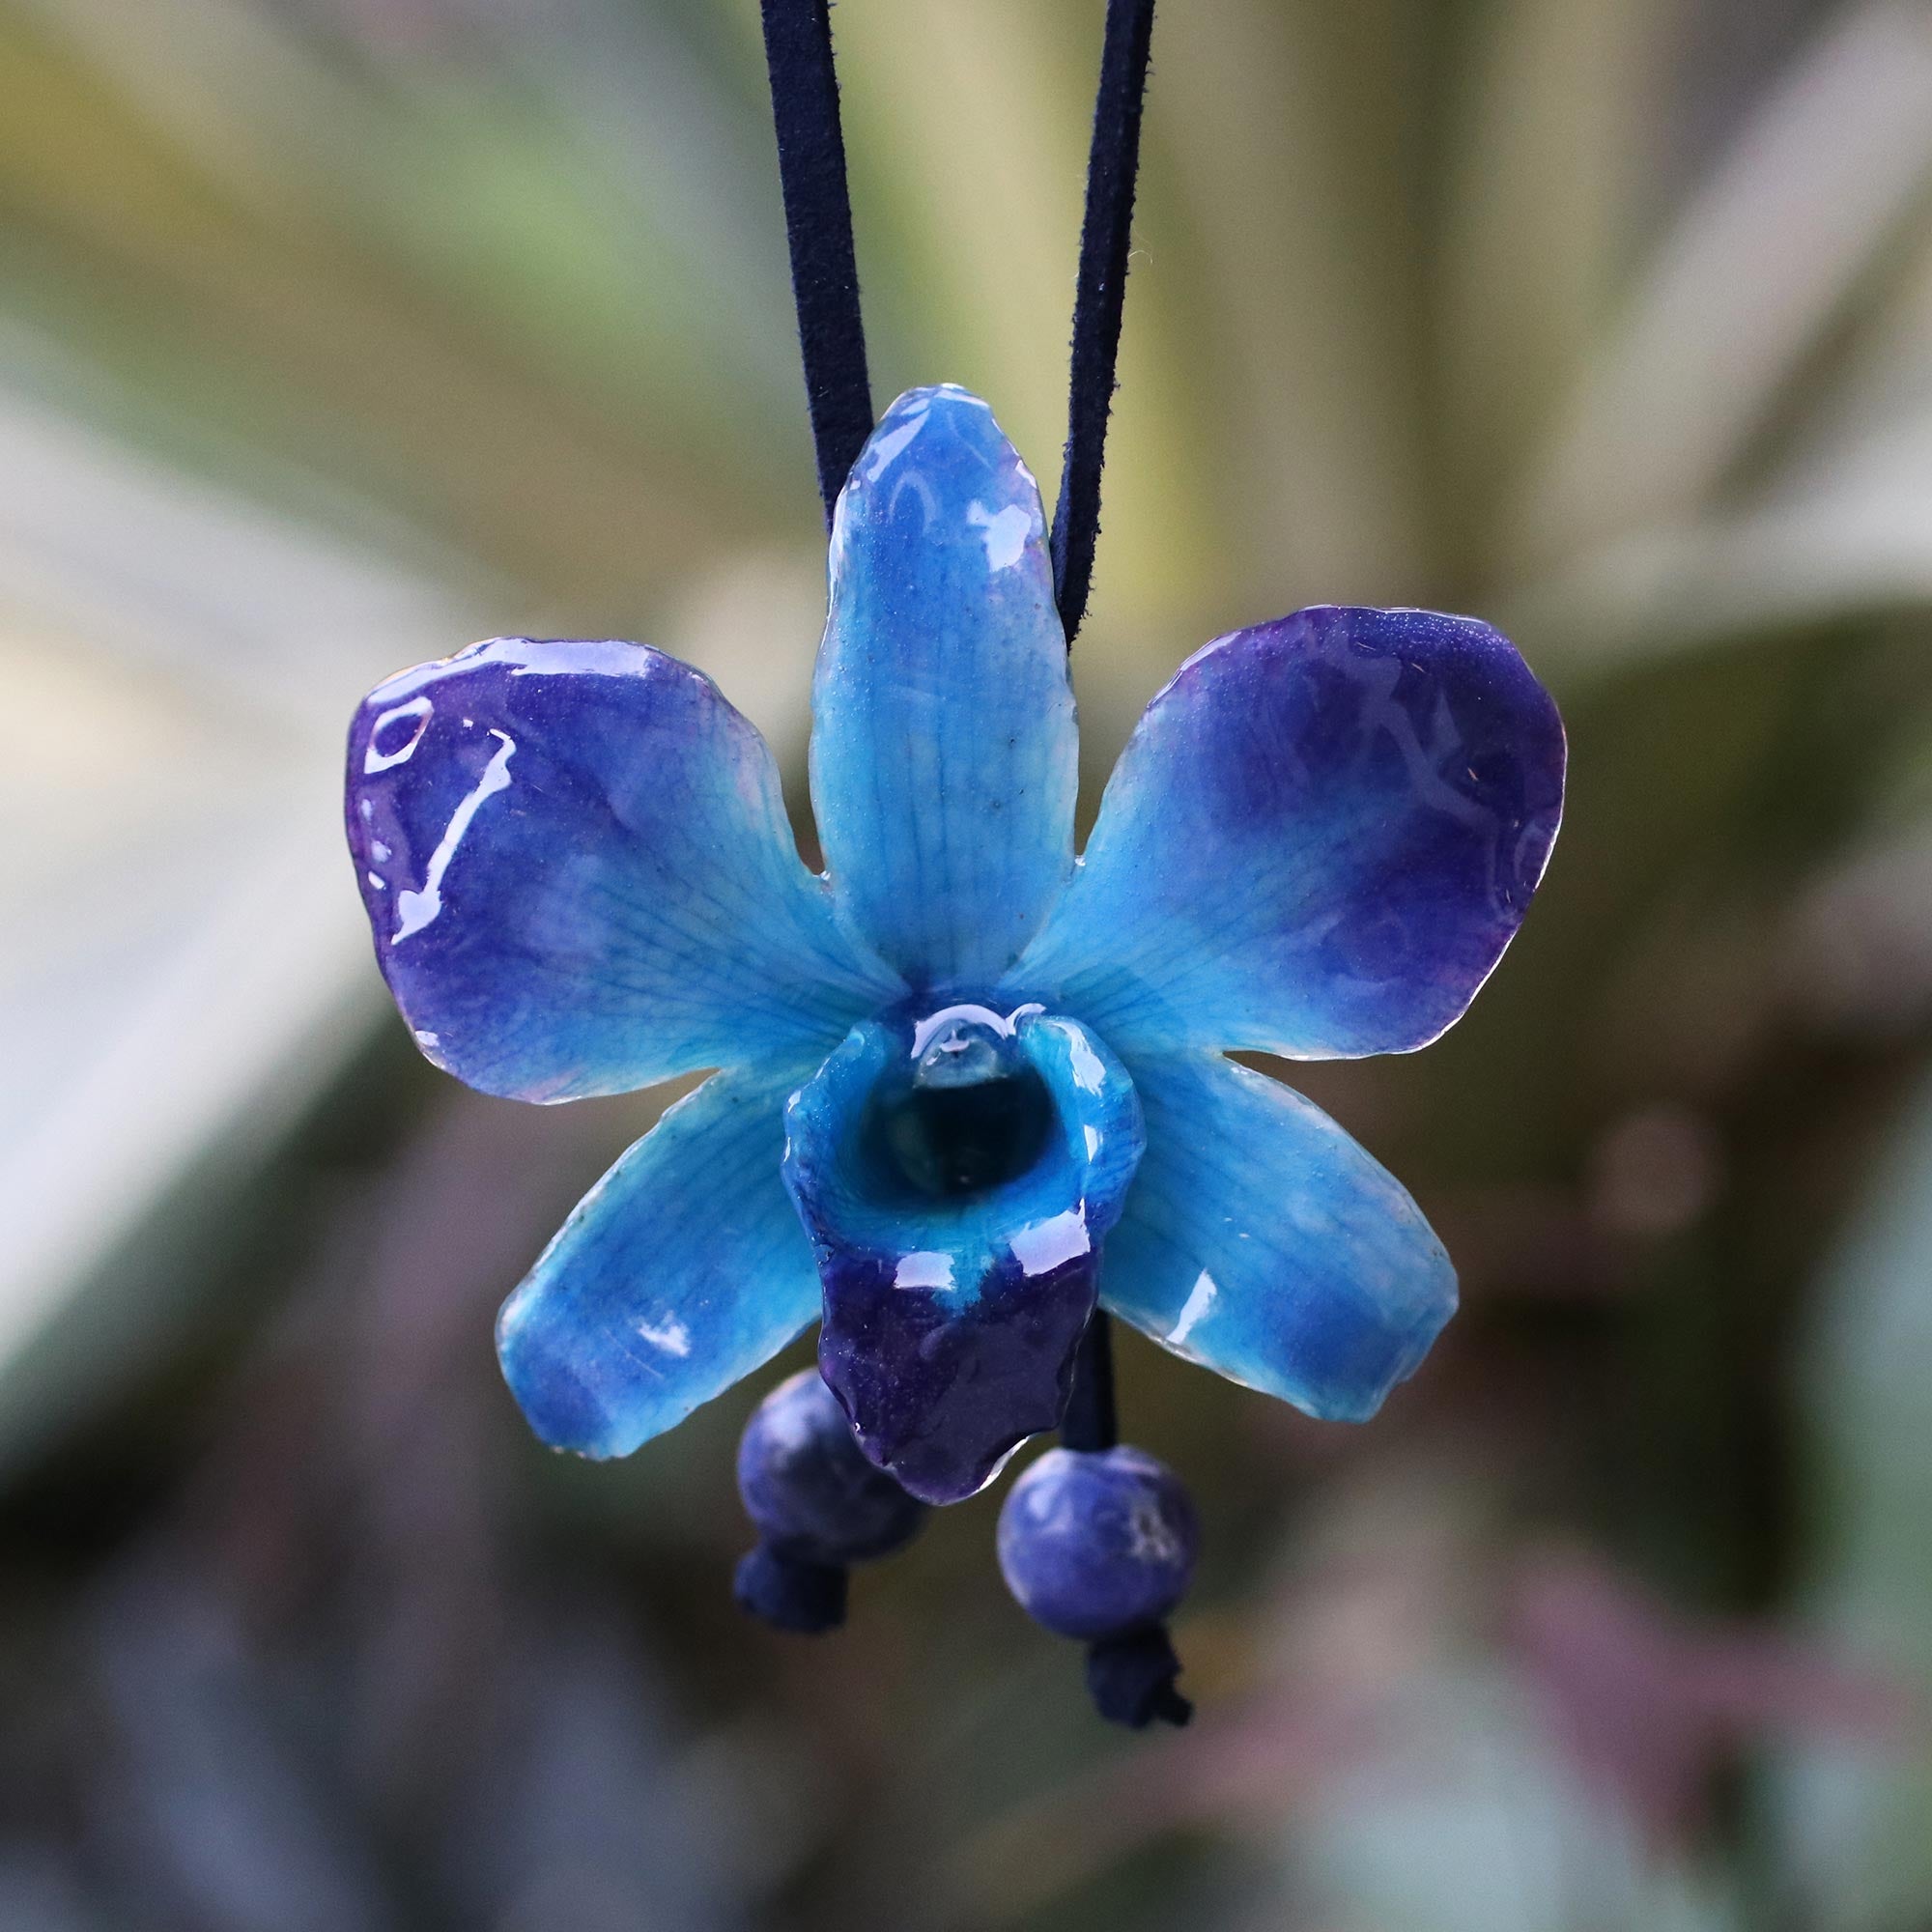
{"points": [[962, 1114]]}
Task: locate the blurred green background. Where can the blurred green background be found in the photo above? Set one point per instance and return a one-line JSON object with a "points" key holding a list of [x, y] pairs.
{"points": [[336, 332]]}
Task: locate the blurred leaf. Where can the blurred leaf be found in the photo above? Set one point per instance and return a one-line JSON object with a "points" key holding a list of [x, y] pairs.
{"points": [[1764, 254], [1553, 118], [1854, 1827]]}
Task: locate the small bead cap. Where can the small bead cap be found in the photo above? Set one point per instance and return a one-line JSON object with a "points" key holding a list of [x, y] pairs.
{"points": [[1130, 1677], [790, 1593]]}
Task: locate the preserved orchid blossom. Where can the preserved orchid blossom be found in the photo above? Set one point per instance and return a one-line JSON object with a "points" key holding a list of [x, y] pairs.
{"points": [[968, 1085]]}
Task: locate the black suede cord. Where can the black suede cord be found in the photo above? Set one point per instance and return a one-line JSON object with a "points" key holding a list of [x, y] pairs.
{"points": [[1089, 1422], [818, 230], [1106, 238]]}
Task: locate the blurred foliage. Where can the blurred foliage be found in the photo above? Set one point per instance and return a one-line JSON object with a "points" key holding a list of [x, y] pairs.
{"points": [[332, 331]]}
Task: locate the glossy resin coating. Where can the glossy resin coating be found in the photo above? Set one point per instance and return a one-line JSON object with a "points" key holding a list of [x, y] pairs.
{"points": [[1095, 1544], [966, 1086]]}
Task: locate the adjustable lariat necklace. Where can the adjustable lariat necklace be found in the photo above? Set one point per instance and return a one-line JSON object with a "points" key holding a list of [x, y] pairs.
{"points": [[970, 1094]]}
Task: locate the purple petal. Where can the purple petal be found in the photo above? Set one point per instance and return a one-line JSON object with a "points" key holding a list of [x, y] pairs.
{"points": [[1318, 842], [580, 875]]}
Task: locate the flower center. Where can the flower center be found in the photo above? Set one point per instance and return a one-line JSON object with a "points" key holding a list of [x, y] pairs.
{"points": [[965, 1112]]}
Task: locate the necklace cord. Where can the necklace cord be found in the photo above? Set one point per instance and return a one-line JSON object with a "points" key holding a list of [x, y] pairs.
{"points": [[818, 232], [1106, 239]]}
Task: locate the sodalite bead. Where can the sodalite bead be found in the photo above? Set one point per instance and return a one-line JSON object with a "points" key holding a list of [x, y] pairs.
{"points": [[1096, 1544], [808, 1485]]}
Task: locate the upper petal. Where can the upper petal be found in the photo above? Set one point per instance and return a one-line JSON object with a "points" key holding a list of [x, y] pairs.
{"points": [[576, 863], [943, 741], [683, 1269], [955, 1301], [1260, 1240], [1318, 842]]}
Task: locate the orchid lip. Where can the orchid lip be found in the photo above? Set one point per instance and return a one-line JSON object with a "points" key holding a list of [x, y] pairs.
{"points": [[957, 1171]]}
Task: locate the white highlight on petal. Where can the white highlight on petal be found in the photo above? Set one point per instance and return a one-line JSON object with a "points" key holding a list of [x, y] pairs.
{"points": [[923, 1270], [670, 1335], [1200, 1299], [1004, 532], [426, 1036], [1052, 1244], [969, 1014], [418, 909], [1089, 1075], [882, 449], [373, 760]]}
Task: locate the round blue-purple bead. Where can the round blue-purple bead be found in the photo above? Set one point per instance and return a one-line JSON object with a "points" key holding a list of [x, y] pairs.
{"points": [[1096, 1542], [808, 1485]]}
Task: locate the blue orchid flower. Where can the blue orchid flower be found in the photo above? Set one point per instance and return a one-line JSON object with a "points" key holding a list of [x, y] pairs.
{"points": [[959, 1065]]}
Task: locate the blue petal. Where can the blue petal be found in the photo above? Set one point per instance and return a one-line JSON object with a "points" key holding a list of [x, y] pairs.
{"points": [[1261, 1241], [1318, 842], [951, 1318], [683, 1269], [943, 747], [578, 867]]}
